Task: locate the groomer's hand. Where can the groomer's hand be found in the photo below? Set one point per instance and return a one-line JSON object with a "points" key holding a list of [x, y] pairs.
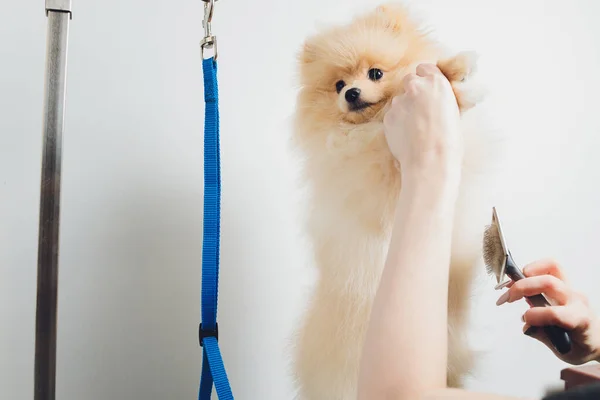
{"points": [[569, 310], [422, 128]]}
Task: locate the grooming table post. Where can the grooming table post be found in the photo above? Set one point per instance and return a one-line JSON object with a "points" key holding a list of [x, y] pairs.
{"points": [[58, 14]]}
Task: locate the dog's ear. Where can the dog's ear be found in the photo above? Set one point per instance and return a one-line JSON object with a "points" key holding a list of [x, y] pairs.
{"points": [[308, 53], [395, 16]]}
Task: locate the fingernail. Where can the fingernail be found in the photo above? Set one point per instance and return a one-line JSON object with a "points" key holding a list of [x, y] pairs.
{"points": [[503, 299], [530, 331], [523, 317]]}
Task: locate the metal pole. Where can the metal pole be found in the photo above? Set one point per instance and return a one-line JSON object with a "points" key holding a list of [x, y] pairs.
{"points": [[59, 15]]}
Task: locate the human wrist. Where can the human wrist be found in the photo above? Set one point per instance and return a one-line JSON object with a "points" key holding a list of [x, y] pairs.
{"points": [[435, 198], [441, 180]]}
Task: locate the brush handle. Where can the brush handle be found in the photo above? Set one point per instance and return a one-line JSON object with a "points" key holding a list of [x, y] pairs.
{"points": [[559, 337]]}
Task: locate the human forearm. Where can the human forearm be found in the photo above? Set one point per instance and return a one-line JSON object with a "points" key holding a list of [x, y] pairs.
{"points": [[458, 394], [405, 350]]}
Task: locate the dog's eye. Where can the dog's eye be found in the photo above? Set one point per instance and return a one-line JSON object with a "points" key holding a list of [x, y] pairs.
{"points": [[339, 85], [375, 74]]}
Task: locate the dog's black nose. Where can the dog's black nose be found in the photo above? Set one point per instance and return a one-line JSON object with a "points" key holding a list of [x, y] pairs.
{"points": [[352, 95]]}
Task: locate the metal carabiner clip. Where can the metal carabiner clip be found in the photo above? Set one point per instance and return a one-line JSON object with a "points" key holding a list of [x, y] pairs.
{"points": [[209, 41]]}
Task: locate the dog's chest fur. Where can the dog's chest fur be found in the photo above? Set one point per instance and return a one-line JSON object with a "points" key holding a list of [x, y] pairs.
{"points": [[354, 185]]}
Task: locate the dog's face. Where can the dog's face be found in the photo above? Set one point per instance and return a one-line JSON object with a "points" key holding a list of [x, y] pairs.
{"points": [[349, 73]]}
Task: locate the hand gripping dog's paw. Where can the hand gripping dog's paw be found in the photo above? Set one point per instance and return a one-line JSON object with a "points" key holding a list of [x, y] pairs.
{"points": [[459, 70]]}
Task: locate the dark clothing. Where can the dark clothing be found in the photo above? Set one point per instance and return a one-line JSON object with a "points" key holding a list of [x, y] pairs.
{"points": [[583, 392]]}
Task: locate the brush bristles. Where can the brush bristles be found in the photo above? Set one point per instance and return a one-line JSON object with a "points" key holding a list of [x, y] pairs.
{"points": [[493, 253]]}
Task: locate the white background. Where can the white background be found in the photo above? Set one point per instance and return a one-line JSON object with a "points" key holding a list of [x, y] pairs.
{"points": [[132, 186]]}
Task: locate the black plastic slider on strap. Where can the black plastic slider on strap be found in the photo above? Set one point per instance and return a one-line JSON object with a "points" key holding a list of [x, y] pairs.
{"points": [[204, 333]]}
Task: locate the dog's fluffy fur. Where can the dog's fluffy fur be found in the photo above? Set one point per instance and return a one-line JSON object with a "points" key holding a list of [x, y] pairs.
{"points": [[354, 183]]}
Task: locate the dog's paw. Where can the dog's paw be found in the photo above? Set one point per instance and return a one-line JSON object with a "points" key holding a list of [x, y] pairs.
{"points": [[459, 70], [460, 67]]}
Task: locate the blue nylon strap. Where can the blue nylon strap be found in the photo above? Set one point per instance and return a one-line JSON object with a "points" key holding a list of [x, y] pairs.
{"points": [[213, 370]]}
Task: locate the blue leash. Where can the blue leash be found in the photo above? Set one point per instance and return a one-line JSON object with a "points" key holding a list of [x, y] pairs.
{"points": [[213, 370]]}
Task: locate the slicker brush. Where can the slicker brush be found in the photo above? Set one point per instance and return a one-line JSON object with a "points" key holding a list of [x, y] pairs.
{"points": [[500, 263]]}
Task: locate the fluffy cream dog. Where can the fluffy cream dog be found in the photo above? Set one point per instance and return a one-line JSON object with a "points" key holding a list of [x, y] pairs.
{"points": [[348, 75]]}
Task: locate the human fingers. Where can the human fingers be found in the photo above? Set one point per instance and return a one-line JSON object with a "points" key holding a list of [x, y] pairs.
{"points": [[394, 113], [396, 100], [396, 107], [427, 69], [389, 119], [544, 267], [410, 83], [549, 285], [567, 317], [510, 284]]}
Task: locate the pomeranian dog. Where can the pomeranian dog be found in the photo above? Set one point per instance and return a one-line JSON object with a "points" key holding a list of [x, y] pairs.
{"points": [[348, 76]]}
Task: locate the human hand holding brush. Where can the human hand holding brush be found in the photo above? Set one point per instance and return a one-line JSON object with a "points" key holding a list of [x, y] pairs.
{"points": [[562, 319], [568, 309], [405, 349]]}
